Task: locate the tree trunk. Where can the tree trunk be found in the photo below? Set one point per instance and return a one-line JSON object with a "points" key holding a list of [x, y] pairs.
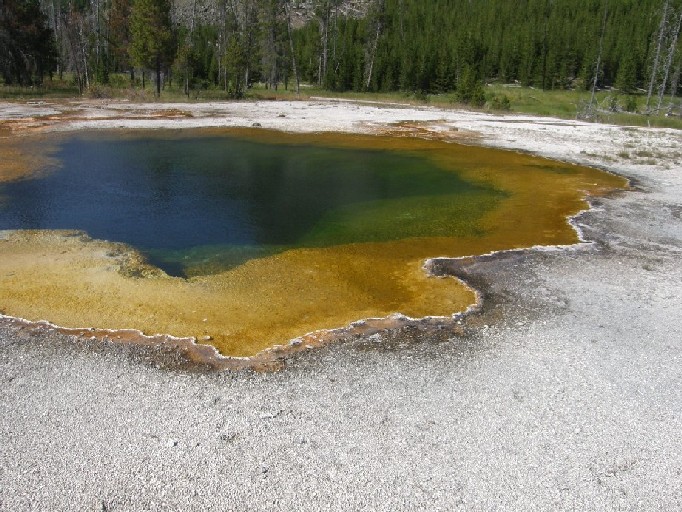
{"points": [[84, 55], [336, 31], [55, 33], [191, 42], [402, 24], [71, 39], [669, 61], [601, 47], [377, 15], [544, 57], [325, 51], [372, 56], [657, 55], [222, 44], [324, 35], [158, 75], [674, 83], [291, 48], [98, 57]]}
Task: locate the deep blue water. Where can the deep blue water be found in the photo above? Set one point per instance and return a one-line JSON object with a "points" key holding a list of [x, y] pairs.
{"points": [[186, 200]]}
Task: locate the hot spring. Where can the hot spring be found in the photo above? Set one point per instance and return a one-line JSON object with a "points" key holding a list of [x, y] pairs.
{"points": [[247, 239]]}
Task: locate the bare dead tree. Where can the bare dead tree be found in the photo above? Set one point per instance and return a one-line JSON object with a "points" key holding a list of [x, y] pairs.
{"points": [[674, 84], [98, 37], [227, 48], [323, 13], [76, 47], [287, 8], [590, 107], [248, 38], [378, 19], [270, 14], [671, 50], [220, 43], [190, 45], [657, 54], [55, 24], [82, 46], [336, 29]]}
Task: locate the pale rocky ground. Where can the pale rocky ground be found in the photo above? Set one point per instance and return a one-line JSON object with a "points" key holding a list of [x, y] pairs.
{"points": [[564, 393]]}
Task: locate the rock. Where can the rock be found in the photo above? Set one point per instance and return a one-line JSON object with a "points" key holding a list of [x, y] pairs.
{"points": [[228, 437]]}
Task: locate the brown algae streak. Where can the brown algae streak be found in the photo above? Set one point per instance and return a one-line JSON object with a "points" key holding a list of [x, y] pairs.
{"points": [[74, 281]]}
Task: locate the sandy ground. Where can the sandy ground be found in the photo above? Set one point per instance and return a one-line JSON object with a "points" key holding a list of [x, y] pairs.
{"points": [[563, 393]]}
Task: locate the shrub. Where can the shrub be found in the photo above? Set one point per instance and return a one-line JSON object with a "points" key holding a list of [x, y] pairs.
{"points": [[119, 80], [99, 91], [499, 102], [469, 89], [630, 103]]}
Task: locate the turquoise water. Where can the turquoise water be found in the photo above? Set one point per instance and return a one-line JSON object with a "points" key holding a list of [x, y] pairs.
{"points": [[204, 204]]}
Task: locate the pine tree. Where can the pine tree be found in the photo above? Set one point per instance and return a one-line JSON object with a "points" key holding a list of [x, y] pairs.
{"points": [[151, 37], [119, 35], [27, 49], [626, 79]]}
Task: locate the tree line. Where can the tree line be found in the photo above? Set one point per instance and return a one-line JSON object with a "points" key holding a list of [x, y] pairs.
{"points": [[396, 45]]}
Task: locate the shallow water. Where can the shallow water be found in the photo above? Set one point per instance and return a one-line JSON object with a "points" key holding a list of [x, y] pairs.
{"points": [[279, 234]]}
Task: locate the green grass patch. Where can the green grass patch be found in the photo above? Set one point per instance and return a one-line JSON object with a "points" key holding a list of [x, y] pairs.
{"points": [[55, 88]]}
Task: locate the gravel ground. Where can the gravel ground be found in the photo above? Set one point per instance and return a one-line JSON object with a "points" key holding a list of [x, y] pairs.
{"points": [[564, 393]]}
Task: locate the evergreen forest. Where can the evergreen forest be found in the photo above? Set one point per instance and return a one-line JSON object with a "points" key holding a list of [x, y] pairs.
{"points": [[417, 46]]}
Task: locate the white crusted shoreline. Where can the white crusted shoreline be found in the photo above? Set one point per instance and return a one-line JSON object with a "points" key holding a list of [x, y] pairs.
{"points": [[567, 140], [563, 393]]}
